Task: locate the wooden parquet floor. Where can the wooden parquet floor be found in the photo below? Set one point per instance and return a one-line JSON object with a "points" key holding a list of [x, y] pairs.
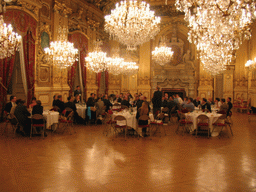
{"points": [[89, 161]]}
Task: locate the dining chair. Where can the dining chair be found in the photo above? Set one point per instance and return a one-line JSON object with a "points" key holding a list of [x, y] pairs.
{"points": [[173, 114], [120, 127], [203, 124], [221, 122], [37, 121], [15, 124], [66, 122], [183, 123]]}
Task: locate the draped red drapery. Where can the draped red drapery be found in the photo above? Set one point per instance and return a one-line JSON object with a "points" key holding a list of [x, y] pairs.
{"points": [[25, 25], [29, 58], [6, 70], [81, 43]]}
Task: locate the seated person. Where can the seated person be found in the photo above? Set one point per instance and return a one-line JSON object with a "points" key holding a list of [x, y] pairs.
{"points": [[72, 106], [253, 110], [206, 105], [224, 105], [59, 103], [99, 107], [171, 104], [189, 105], [38, 109], [22, 114], [107, 103], [217, 102], [91, 115], [33, 103], [197, 102], [125, 102], [55, 97], [11, 104]]}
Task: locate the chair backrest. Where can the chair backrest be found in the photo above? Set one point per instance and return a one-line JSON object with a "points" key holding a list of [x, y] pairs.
{"points": [[119, 118], [184, 110], [144, 117], [165, 110], [67, 111], [160, 116], [70, 115], [173, 109], [203, 118], [117, 104], [14, 120], [181, 115], [37, 116]]}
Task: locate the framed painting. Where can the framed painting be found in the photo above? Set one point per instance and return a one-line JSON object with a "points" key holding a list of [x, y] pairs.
{"points": [[45, 40]]}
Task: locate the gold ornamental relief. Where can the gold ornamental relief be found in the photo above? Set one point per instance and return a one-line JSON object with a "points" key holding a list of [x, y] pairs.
{"points": [[62, 9], [44, 74]]}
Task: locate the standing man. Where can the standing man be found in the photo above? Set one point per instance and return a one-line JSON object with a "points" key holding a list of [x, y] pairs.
{"points": [[11, 104], [230, 105], [157, 100], [77, 91]]}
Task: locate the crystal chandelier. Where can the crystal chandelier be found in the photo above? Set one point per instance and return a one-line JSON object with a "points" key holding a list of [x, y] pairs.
{"points": [[9, 40], [218, 25], [97, 60], [251, 64], [115, 65], [61, 51], [162, 55], [132, 23], [130, 68]]}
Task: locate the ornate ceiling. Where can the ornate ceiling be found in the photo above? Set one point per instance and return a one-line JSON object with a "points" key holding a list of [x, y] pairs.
{"points": [[161, 7]]}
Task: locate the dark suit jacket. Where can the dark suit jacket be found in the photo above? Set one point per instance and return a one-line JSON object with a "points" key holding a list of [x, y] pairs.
{"points": [[196, 103], [207, 105], [107, 103], [230, 105], [171, 104], [157, 99], [139, 104], [21, 114], [37, 109], [126, 103], [60, 104], [90, 102], [119, 100], [8, 107], [164, 103], [70, 105]]}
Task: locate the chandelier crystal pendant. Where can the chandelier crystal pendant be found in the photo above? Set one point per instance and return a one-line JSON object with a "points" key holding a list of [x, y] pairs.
{"points": [[216, 25], [115, 65], [97, 60], [132, 23], [61, 51], [130, 68], [251, 64], [162, 55], [9, 40]]}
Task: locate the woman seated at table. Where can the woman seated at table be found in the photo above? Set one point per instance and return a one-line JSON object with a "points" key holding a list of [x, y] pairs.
{"points": [[33, 103], [143, 110], [38, 109], [99, 107]]}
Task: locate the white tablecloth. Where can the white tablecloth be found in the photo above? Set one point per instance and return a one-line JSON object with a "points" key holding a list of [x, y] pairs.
{"points": [[51, 117], [130, 118], [81, 110], [193, 117]]}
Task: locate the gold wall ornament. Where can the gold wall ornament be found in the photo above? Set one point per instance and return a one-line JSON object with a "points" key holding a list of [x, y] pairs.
{"points": [[62, 8]]}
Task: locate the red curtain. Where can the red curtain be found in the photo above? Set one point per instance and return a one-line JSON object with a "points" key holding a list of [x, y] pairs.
{"points": [[106, 82], [6, 70], [71, 77], [29, 57], [81, 43]]}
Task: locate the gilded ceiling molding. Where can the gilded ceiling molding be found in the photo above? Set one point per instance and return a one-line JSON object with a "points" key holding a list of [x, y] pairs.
{"points": [[29, 6], [62, 9]]}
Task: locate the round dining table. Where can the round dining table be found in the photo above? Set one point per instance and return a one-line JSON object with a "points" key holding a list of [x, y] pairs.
{"points": [[51, 118]]}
